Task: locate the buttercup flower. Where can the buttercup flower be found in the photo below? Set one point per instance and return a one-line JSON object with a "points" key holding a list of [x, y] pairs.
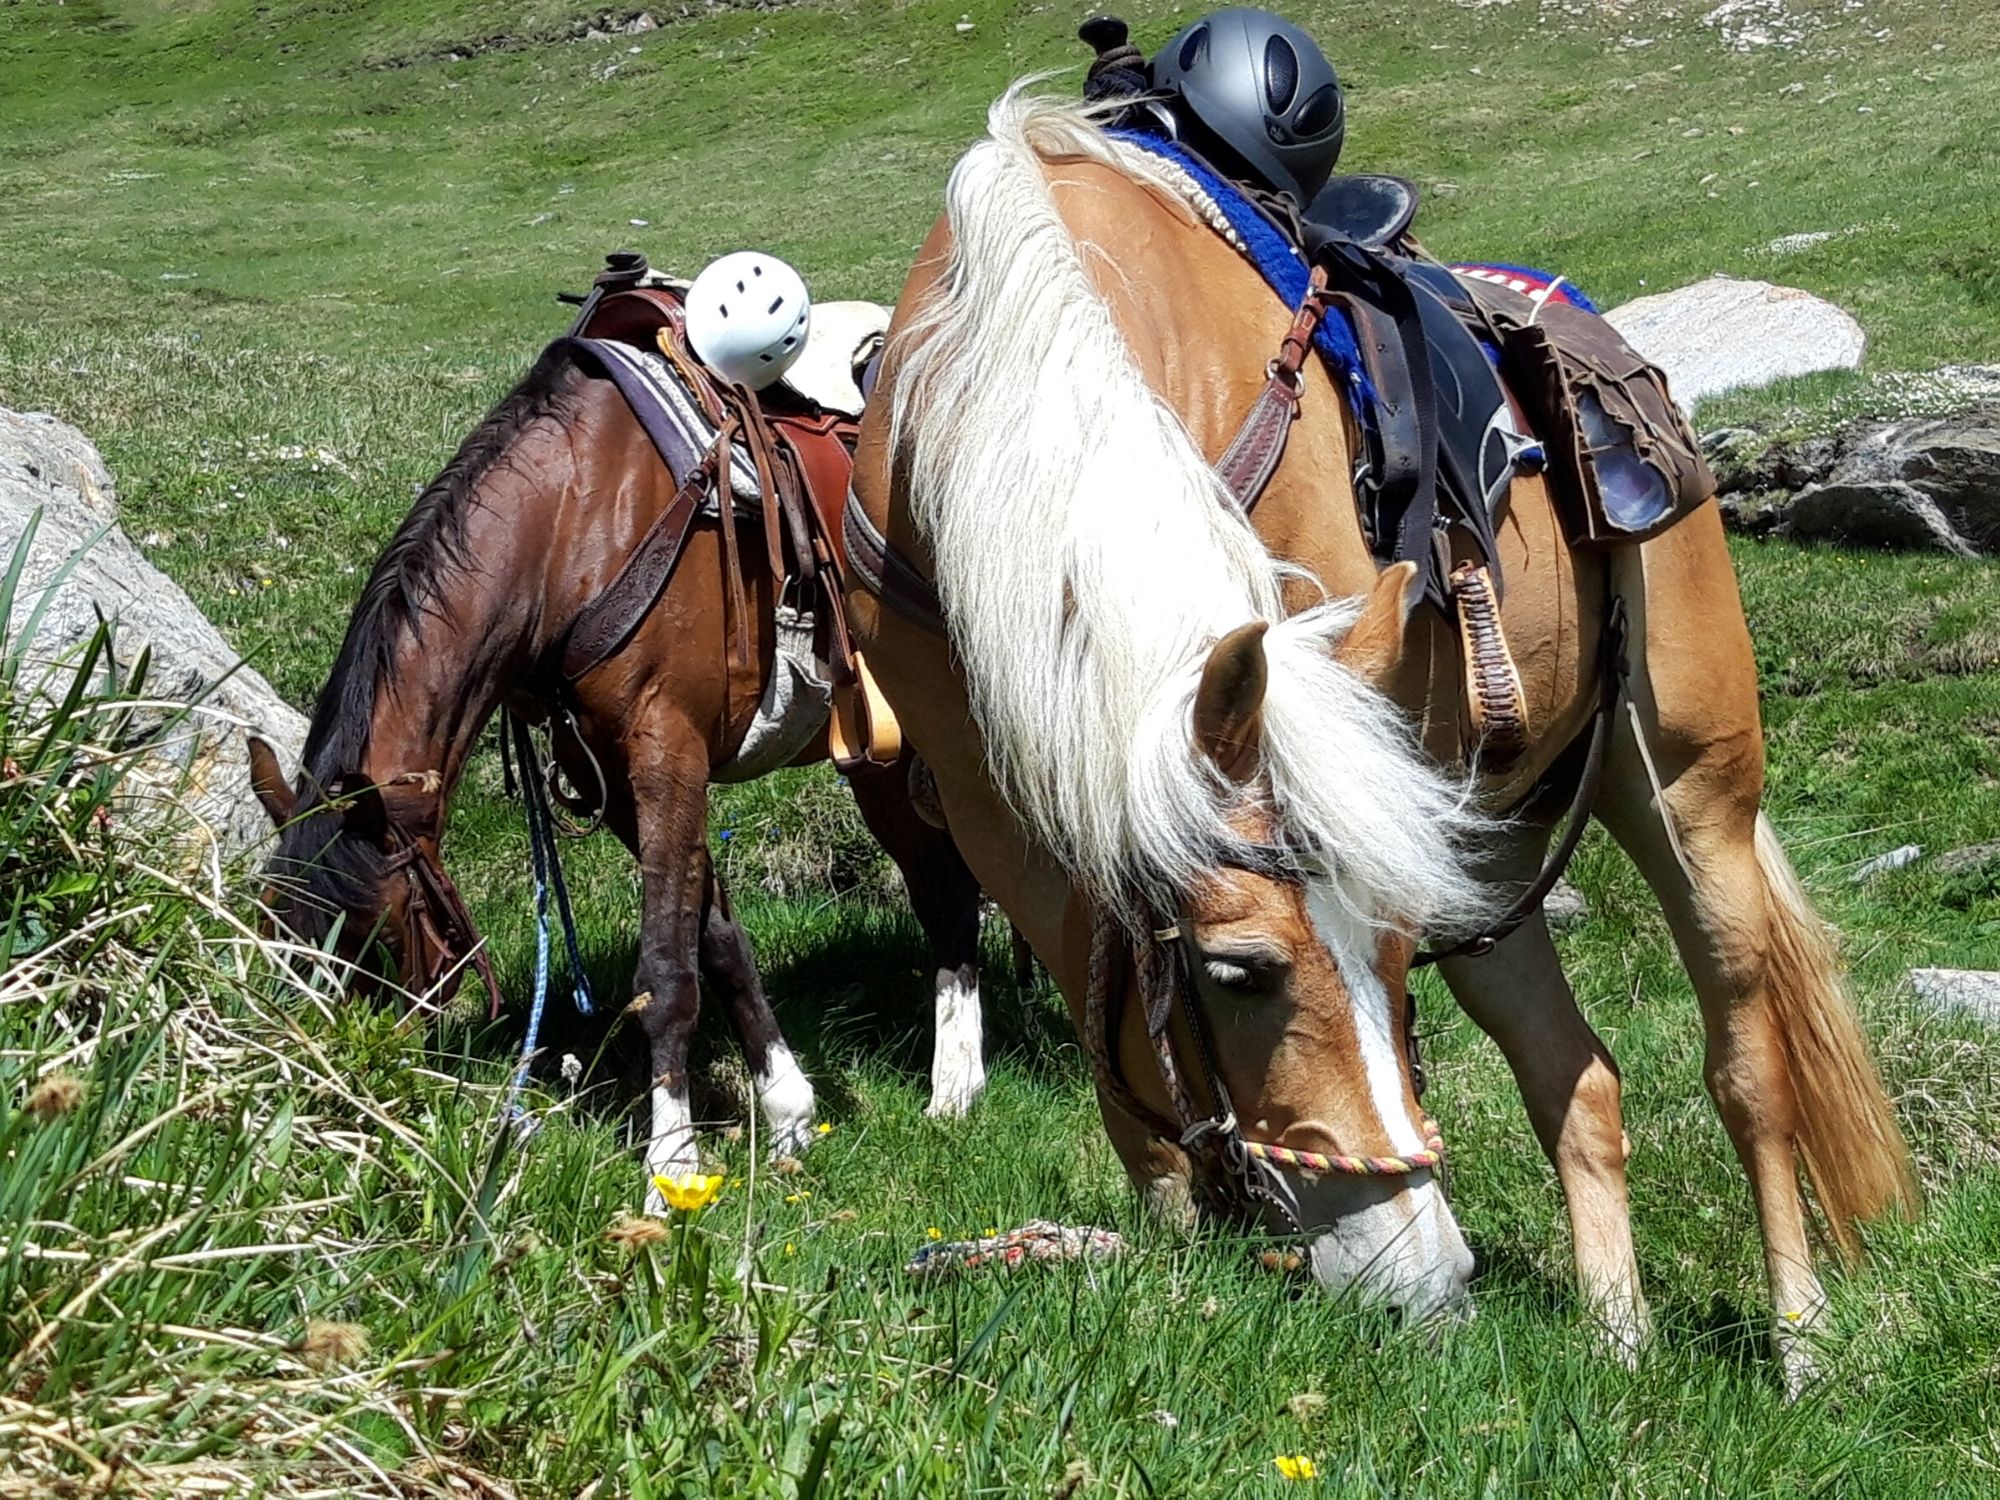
{"points": [[1296, 1466], [690, 1192], [825, 1127], [934, 1233]]}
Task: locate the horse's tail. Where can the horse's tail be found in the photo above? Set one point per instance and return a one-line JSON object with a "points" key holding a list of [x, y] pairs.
{"points": [[1854, 1151]]}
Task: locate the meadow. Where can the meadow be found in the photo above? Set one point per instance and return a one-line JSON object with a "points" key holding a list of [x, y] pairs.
{"points": [[276, 259]]}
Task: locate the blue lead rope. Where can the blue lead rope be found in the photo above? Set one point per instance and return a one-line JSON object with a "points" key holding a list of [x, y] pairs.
{"points": [[548, 875]]}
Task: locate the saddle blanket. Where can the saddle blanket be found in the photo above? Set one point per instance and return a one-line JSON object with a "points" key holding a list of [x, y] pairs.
{"points": [[673, 419], [1526, 280]]}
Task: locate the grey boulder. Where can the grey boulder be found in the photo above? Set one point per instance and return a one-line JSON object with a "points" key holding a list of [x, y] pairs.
{"points": [[1975, 991], [1727, 335], [49, 466], [1929, 483]]}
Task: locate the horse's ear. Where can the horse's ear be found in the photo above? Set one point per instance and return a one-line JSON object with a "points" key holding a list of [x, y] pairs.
{"points": [[1374, 644], [268, 782], [366, 815], [1229, 704]]}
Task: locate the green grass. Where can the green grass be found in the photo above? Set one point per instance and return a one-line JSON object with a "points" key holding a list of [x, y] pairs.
{"points": [[277, 259]]}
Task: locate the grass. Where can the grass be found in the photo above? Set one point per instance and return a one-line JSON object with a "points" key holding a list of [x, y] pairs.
{"points": [[277, 259]]}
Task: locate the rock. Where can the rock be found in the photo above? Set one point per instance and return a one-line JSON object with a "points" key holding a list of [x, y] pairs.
{"points": [[48, 464], [1930, 482], [1966, 861], [1882, 864], [1974, 990], [1565, 907], [1725, 335], [1927, 482]]}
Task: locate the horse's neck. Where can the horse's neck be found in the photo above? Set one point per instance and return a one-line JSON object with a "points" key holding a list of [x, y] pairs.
{"points": [[484, 633]]}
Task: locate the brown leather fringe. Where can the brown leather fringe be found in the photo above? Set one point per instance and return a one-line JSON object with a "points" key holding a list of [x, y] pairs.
{"points": [[1495, 710]]}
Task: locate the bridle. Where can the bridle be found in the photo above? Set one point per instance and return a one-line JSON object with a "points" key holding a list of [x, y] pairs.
{"points": [[1234, 1172], [440, 933]]}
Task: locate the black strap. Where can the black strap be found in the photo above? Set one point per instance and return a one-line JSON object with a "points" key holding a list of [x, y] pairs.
{"points": [[1612, 670]]}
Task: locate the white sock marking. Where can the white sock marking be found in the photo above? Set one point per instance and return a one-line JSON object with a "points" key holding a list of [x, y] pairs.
{"points": [[787, 1100], [671, 1151], [958, 1064]]}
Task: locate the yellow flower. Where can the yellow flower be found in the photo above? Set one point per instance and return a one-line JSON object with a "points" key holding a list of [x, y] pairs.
{"points": [[799, 1197], [934, 1232], [1296, 1466], [825, 1127], [690, 1192], [790, 1248], [991, 1231]]}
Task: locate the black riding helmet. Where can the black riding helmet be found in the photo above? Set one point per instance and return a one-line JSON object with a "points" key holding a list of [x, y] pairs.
{"points": [[1262, 88]]}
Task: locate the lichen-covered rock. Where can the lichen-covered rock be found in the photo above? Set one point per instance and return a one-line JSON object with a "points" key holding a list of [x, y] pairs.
{"points": [[48, 466], [1929, 483]]}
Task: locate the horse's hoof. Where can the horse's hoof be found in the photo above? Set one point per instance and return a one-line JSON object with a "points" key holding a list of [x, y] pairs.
{"points": [[954, 1103], [791, 1138]]}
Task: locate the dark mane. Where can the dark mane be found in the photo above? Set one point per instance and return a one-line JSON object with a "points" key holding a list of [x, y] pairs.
{"points": [[410, 575], [323, 873]]}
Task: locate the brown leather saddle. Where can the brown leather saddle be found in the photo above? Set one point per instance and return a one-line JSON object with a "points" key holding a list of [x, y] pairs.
{"points": [[803, 457]]}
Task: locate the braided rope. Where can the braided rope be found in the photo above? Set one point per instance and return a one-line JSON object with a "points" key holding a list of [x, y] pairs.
{"points": [[1357, 1166]]}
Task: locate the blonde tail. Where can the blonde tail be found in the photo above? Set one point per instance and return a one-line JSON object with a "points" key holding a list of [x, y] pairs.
{"points": [[1853, 1149]]}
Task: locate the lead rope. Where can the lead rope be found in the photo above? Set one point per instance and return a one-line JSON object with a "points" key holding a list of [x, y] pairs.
{"points": [[547, 864]]}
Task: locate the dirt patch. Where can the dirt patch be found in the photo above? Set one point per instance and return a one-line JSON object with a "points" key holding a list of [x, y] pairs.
{"points": [[604, 26]]}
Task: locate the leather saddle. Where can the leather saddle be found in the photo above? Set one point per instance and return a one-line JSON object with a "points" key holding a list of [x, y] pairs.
{"points": [[803, 455], [1370, 208]]}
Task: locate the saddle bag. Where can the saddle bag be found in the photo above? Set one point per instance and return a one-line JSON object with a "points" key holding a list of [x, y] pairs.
{"points": [[1622, 461]]}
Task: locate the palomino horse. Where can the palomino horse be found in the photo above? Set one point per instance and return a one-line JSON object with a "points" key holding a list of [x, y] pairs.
{"points": [[1148, 708], [541, 506]]}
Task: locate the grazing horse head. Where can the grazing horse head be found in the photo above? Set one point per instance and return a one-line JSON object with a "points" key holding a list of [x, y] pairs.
{"points": [[345, 873], [1149, 730]]}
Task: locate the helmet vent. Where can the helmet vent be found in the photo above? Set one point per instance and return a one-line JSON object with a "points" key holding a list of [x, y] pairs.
{"points": [[1281, 73], [1193, 47], [1319, 112], [776, 303]]}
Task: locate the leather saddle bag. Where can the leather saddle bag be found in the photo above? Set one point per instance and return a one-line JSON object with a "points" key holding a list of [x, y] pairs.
{"points": [[1622, 461]]}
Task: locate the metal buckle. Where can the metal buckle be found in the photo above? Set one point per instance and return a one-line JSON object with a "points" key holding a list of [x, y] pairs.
{"points": [[1195, 1134]]}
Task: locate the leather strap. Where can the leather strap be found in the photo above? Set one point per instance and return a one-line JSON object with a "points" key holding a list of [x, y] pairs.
{"points": [[886, 574], [1612, 668], [1254, 453], [1494, 700], [608, 621]]}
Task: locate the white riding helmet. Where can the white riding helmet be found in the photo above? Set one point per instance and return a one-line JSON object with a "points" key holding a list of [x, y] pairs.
{"points": [[747, 316]]}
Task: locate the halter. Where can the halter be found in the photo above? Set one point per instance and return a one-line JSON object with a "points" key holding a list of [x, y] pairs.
{"points": [[435, 911], [1235, 1172]]}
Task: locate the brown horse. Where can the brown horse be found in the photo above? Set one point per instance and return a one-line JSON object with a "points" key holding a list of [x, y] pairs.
{"points": [[540, 507], [1141, 691]]}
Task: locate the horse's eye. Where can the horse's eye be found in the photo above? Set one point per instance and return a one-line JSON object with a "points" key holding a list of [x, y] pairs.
{"points": [[1244, 973]]}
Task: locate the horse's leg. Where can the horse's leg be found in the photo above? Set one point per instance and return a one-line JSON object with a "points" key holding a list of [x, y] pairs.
{"points": [[670, 797], [1518, 996], [1785, 1060], [731, 970], [945, 897]]}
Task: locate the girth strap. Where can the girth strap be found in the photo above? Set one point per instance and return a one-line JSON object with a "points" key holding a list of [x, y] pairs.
{"points": [[1612, 669], [608, 621]]}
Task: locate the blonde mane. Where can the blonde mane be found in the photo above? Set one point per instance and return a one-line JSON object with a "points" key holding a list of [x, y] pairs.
{"points": [[1088, 558]]}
